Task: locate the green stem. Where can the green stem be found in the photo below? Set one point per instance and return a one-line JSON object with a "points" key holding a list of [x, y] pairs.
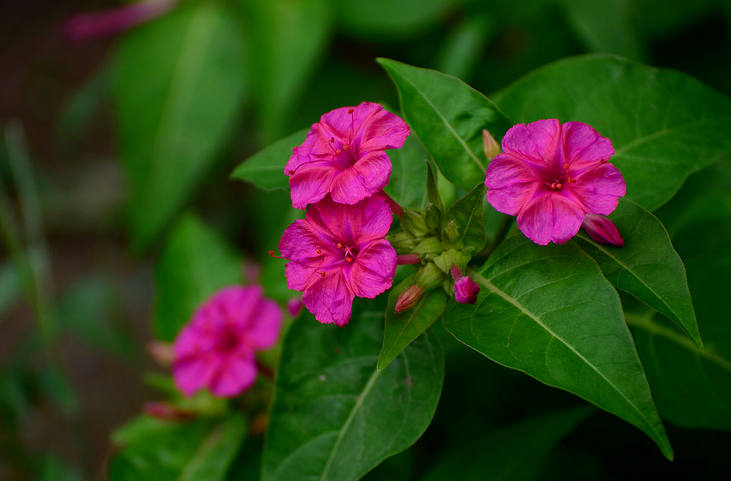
{"points": [[502, 231]]}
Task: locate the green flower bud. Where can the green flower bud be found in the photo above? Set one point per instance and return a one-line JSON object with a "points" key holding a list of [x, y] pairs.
{"points": [[402, 241], [433, 218], [429, 245], [451, 231], [414, 222], [429, 276]]}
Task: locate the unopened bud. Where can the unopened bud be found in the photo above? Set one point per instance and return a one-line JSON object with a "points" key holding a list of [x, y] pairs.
{"points": [[402, 241], [408, 299], [451, 231], [489, 145], [429, 276], [465, 289], [161, 352], [433, 218], [407, 259], [414, 222], [430, 245], [294, 306], [602, 230]]}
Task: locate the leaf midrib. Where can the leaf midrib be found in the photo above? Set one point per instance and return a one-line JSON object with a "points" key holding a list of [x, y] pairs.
{"points": [[664, 132], [446, 123], [492, 287]]}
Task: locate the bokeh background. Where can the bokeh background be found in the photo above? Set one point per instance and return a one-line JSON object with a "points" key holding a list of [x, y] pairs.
{"points": [[107, 136]]}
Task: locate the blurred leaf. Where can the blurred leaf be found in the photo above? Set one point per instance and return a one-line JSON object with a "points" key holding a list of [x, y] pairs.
{"points": [[407, 185], [464, 44], [692, 385], [289, 37], [82, 106], [194, 264], [14, 400], [448, 117], [664, 125], [54, 469], [178, 83], [514, 453], [89, 309], [335, 416], [265, 169], [57, 387], [468, 214], [202, 449], [647, 267], [381, 19], [11, 286], [605, 26], [401, 329], [549, 312]]}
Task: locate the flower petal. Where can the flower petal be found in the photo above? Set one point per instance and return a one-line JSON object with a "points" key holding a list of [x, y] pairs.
{"points": [[194, 372], [600, 188], [382, 130], [348, 187], [510, 183], [551, 216], [355, 224], [536, 142], [262, 330], [329, 298], [309, 184], [373, 269], [374, 170], [583, 147], [235, 375], [300, 242]]}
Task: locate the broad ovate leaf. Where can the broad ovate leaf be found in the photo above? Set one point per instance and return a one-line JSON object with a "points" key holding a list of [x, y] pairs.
{"points": [[664, 124], [549, 312], [448, 117], [647, 266], [178, 85], [265, 169], [335, 415]]}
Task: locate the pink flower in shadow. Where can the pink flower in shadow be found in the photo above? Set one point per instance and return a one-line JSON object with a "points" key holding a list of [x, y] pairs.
{"points": [[344, 155], [551, 176], [338, 252], [216, 349]]}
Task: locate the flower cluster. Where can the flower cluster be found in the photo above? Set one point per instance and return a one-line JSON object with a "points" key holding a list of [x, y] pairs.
{"points": [[339, 251], [216, 349], [552, 176]]}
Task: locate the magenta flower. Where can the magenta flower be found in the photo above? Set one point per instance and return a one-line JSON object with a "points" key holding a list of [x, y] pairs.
{"points": [[602, 230], [465, 289], [551, 176], [216, 349], [343, 155], [338, 252]]}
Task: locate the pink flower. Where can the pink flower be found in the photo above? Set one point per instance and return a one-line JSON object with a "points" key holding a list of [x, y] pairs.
{"points": [[338, 252], [107, 22], [465, 289], [343, 155], [602, 230], [551, 176], [216, 349]]}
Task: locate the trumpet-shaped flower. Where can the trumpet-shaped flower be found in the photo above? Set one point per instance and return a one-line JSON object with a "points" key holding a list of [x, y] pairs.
{"points": [[216, 349], [338, 252], [551, 176], [344, 155]]}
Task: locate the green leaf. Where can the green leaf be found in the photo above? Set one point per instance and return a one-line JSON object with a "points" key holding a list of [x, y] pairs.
{"points": [[391, 18], [647, 267], [160, 450], [407, 185], [464, 45], [432, 187], [401, 329], [335, 416], [514, 453], [289, 38], [549, 312], [448, 117], [265, 169], [664, 125], [692, 385], [194, 264], [469, 215], [178, 83]]}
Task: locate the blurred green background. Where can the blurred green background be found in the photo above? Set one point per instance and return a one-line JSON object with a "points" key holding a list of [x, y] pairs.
{"points": [[106, 140]]}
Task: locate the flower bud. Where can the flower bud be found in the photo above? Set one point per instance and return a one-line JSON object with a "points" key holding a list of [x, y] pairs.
{"points": [[602, 230], [429, 276], [402, 241], [407, 259], [408, 298], [451, 231], [430, 245], [465, 289], [294, 306], [161, 352], [489, 145], [414, 222], [433, 218], [165, 411]]}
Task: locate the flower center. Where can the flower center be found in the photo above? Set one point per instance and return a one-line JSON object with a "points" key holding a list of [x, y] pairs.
{"points": [[350, 252], [228, 339], [560, 181]]}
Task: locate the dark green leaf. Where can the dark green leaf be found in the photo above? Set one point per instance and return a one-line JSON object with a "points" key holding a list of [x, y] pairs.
{"points": [[469, 215], [514, 453], [550, 313], [664, 125], [647, 267], [403, 328], [432, 186], [287, 38], [335, 416], [448, 117], [391, 18], [83, 106], [265, 169], [464, 45], [178, 84], [193, 265], [407, 185], [155, 450]]}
